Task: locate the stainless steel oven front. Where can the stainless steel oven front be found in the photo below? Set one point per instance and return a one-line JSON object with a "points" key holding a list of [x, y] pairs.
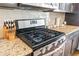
{"points": [[50, 49]]}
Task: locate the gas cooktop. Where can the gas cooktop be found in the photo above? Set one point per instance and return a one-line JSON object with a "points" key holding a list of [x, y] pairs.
{"points": [[38, 37]]}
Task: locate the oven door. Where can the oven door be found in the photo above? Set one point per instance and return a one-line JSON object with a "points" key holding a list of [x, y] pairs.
{"points": [[53, 49], [57, 52]]}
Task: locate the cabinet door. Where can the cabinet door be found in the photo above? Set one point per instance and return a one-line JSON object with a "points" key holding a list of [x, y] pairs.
{"points": [[62, 6], [68, 45], [55, 5], [75, 42], [66, 7], [71, 44]]}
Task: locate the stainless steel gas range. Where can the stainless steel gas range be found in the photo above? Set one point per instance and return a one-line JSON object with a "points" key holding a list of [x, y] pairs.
{"points": [[43, 41]]}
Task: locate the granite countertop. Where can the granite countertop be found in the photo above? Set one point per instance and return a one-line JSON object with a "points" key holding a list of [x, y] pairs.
{"points": [[14, 48], [67, 29], [18, 48]]}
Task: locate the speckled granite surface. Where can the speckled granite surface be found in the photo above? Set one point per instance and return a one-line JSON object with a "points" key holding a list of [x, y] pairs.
{"points": [[67, 29], [14, 48]]}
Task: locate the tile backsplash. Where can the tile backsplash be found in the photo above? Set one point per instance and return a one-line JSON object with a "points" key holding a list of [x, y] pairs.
{"points": [[54, 17], [20, 14], [6, 14]]}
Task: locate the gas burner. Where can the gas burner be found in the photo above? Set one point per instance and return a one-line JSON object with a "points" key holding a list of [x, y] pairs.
{"points": [[40, 37], [37, 39]]}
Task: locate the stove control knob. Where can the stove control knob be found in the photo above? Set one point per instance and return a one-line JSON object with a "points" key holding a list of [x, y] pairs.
{"points": [[46, 48], [61, 41], [43, 50], [49, 47], [56, 44]]}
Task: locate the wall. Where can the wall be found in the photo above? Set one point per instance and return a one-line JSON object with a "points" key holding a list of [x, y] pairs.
{"points": [[6, 14], [72, 19], [54, 15]]}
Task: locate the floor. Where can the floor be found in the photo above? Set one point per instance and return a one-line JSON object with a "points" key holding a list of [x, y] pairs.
{"points": [[76, 53]]}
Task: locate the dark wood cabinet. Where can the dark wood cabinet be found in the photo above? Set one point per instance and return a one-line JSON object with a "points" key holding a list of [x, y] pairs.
{"points": [[68, 46], [63, 7], [75, 40], [71, 43]]}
